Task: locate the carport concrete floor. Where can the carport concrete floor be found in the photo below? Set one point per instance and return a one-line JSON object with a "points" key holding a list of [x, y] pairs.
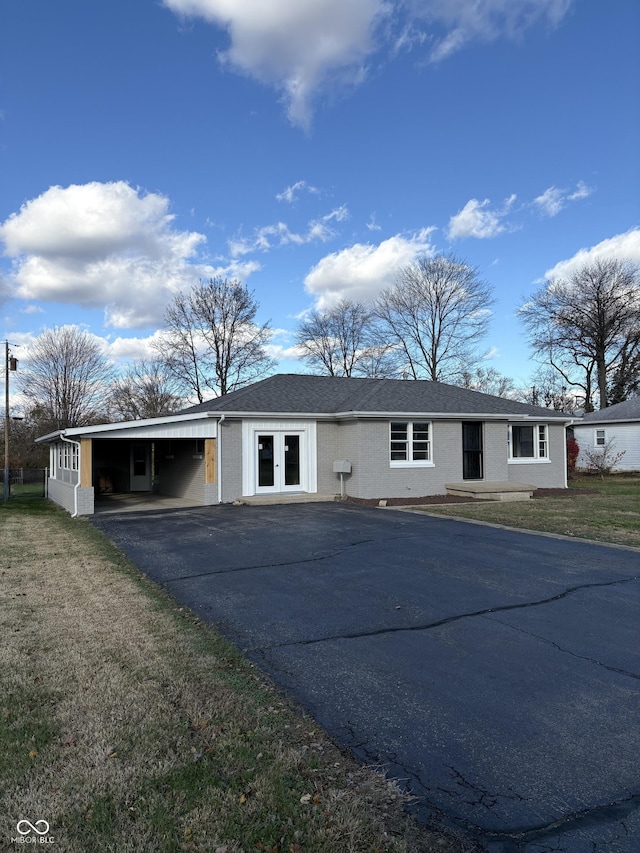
{"points": [[495, 673], [138, 502]]}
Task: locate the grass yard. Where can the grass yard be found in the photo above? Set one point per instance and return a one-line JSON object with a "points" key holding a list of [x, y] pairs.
{"points": [[128, 725], [604, 510], [27, 490]]}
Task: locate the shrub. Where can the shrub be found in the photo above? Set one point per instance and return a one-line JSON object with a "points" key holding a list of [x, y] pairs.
{"points": [[573, 451], [600, 460]]}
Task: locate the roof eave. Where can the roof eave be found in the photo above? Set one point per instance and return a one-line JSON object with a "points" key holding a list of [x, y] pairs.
{"points": [[123, 425]]}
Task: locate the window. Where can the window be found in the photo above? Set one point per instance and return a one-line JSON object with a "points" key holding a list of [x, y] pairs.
{"points": [[529, 441], [410, 443], [543, 450], [68, 456], [600, 438]]}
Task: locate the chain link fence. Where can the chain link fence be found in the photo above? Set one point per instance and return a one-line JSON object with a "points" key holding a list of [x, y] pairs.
{"points": [[27, 482]]}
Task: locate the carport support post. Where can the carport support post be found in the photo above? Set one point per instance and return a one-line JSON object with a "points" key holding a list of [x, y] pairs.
{"points": [[210, 460], [86, 463]]}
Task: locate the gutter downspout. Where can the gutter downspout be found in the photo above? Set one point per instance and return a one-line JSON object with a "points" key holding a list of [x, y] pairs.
{"points": [[219, 458], [77, 485]]}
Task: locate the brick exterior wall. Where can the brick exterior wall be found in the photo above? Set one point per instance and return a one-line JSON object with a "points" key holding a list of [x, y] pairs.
{"points": [[63, 494], [182, 476], [366, 444], [551, 474], [230, 438], [329, 449]]}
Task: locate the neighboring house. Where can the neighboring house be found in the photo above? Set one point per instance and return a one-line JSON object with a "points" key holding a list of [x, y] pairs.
{"points": [[619, 424], [294, 433]]}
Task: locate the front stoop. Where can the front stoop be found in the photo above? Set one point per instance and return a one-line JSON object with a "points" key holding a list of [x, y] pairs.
{"points": [[496, 491], [296, 498]]}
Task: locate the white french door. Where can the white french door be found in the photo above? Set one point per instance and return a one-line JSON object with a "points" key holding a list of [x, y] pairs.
{"points": [[278, 462]]}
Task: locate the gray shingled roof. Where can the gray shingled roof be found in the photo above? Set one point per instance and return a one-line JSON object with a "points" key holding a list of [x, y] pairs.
{"points": [[305, 394], [627, 411]]}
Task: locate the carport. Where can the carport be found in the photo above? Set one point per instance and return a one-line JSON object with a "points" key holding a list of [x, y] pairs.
{"points": [[174, 457]]}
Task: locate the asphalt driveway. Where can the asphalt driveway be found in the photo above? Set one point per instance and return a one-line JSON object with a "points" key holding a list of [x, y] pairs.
{"points": [[496, 673]]}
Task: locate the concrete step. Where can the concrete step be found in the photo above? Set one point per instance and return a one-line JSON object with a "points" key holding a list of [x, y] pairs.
{"points": [[286, 498], [482, 490]]}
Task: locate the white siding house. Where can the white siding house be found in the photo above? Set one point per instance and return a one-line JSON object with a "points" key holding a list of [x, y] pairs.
{"points": [[616, 427]]}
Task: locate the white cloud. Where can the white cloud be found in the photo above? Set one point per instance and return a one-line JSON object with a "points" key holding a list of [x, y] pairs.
{"points": [[125, 349], [102, 245], [270, 236], [297, 47], [283, 350], [623, 247], [551, 202], [291, 193], [485, 20], [476, 219], [305, 48], [554, 199], [581, 191], [363, 270], [24, 340]]}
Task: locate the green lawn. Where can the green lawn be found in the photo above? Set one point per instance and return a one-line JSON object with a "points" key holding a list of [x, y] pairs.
{"points": [[128, 725], [27, 490], [606, 510]]}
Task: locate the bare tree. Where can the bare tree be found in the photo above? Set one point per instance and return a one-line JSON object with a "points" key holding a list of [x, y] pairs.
{"points": [[488, 380], [342, 341], [587, 327], [213, 341], [65, 377], [625, 380], [436, 313], [549, 390], [147, 390], [23, 451]]}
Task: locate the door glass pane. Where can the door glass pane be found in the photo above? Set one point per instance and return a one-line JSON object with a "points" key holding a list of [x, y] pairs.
{"points": [[292, 460], [265, 460], [472, 451], [139, 461]]}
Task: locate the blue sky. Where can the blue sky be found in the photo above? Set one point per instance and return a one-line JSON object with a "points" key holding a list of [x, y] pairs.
{"points": [[310, 148]]}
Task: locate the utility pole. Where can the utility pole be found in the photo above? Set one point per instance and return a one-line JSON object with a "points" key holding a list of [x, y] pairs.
{"points": [[9, 364]]}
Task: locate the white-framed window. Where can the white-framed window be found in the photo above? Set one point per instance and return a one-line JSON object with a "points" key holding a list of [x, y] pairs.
{"points": [[410, 443], [68, 456], [600, 437], [529, 442]]}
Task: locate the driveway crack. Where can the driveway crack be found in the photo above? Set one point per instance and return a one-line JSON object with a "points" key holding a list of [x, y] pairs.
{"points": [[615, 812], [427, 626], [560, 648], [314, 558]]}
